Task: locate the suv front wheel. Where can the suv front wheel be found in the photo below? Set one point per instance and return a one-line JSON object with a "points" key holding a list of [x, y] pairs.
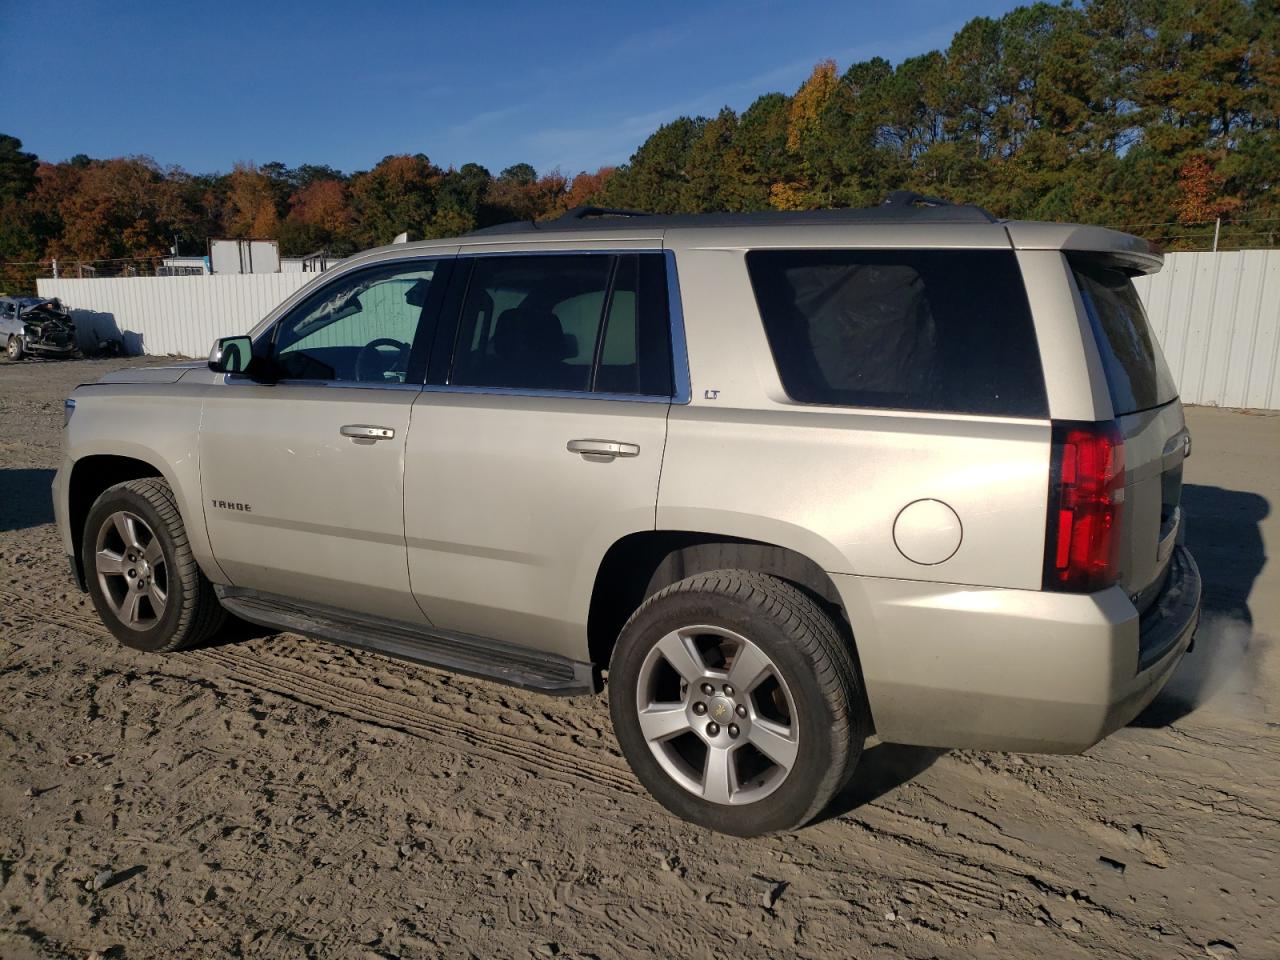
{"points": [[140, 571], [736, 701]]}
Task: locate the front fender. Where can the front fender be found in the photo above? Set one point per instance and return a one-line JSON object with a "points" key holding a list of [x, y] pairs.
{"points": [[159, 427]]}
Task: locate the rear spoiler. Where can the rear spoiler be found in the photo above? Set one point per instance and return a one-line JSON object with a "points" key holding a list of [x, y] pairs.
{"points": [[1135, 253]]}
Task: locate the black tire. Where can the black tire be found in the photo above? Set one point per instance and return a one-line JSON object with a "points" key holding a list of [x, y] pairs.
{"points": [[13, 349], [807, 649], [191, 612]]}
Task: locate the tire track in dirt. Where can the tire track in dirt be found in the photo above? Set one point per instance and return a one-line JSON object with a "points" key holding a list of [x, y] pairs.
{"points": [[303, 683], [384, 708]]}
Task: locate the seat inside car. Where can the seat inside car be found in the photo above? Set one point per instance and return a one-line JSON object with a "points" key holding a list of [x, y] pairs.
{"points": [[531, 346]]}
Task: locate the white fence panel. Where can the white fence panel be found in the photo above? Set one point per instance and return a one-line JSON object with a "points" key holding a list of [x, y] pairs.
{"points": [[1217, 316], [171, 315]]}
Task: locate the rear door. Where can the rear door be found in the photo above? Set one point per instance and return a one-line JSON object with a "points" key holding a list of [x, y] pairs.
{"points": [[538, 444], [1146, 407]]}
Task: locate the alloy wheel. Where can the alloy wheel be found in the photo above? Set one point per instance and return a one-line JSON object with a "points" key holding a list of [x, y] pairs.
{"points": [[132, 571], [717, 714]]}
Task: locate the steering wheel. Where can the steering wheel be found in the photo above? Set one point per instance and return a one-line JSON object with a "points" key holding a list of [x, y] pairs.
{"points": [[374, 362]]}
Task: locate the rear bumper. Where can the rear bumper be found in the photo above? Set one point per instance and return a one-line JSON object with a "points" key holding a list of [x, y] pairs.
{"points": [[992, 669]]}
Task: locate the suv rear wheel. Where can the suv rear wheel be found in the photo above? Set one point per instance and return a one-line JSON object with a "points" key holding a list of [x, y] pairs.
{"points": [[141, 574], [737, 702]]}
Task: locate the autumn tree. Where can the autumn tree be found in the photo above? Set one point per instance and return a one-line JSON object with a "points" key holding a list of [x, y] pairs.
{"points": [[251, 204], [1200, 198], [397, 196], [587, 189], [806, 106], [322, 203], [520, 194], [319, 218], [119, 208]]}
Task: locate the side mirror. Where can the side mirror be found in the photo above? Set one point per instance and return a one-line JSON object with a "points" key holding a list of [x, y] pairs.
{"points": [[231, 355]]}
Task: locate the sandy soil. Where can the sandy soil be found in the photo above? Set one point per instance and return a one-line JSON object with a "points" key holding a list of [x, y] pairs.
{"points": [[274, 796]]}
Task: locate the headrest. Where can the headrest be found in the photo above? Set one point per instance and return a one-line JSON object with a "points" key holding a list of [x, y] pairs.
{"points": [[523, 331]]}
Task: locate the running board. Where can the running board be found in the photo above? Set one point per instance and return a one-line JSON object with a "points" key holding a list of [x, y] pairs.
{"points": [[482, 657]]}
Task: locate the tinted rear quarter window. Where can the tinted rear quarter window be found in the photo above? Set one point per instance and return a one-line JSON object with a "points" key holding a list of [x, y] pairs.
{"points": [[926, 330], [1137, 376]]}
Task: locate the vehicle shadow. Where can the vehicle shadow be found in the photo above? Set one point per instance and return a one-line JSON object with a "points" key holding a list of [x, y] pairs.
{"points": [[94, 327], [233, 632], [1225, 536], [25, 498], [883, 767]]}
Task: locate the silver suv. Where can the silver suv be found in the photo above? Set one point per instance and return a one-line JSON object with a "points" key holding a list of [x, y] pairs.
{"points": [[788, 480]]}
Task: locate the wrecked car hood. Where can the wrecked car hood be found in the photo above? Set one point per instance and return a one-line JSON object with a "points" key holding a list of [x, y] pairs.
{"points": [[50, 307]]}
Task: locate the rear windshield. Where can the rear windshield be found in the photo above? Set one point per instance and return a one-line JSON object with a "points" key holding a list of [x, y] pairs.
{"points": [[1137, 376], [931, 330]]}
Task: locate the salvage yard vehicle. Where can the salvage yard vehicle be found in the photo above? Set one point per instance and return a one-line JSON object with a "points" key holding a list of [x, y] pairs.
{"points": [[783, 480], [36, 326]]}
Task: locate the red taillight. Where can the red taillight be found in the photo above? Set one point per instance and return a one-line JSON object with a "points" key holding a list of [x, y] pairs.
{"points": [[1086, 494]]}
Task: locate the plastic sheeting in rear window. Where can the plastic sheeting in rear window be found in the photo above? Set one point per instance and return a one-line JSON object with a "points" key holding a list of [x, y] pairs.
{"points": [[929, 330]]}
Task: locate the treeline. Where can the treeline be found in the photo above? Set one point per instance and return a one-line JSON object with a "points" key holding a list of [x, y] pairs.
{"points": [[1157, 115]]}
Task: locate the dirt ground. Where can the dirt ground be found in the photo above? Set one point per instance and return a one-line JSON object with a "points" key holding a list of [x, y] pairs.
{"points": [[274, 796]]}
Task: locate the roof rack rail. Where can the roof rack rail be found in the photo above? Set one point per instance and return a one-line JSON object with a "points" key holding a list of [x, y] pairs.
{"points": [[589, 212], [909, 198]]}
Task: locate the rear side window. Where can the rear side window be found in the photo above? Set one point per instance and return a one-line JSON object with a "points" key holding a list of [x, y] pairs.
{"points": [[586, 323], [929, 330], [1137, 376]]}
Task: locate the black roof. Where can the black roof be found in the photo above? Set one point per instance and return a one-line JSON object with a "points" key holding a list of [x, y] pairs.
{"points": [[902, 206]]}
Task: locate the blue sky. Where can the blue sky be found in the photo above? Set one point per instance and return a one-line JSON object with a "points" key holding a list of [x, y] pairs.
{"points": [[569, 85]]}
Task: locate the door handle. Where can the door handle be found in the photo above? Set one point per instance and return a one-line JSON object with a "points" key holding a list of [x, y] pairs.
{"points": [[363, 431], [603, 449]]}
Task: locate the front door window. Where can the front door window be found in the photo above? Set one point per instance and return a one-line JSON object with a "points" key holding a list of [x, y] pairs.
{"points": [[359, 328]]}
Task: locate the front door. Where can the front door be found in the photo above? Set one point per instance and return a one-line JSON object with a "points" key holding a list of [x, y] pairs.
{"points": [[542, 446], [303, 478]]}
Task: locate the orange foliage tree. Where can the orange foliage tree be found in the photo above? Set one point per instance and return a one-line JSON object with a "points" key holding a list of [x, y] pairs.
{"points": [[251, 204], [1200, 196]]}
